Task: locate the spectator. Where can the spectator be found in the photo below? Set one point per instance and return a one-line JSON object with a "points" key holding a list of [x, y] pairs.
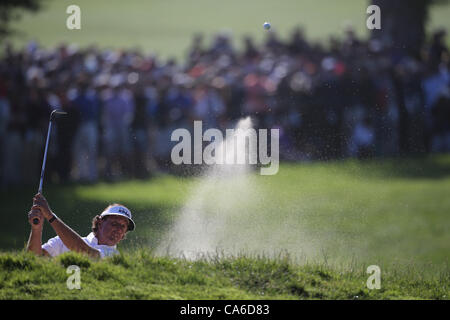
{"points": [[363, 139], [85, 145], [140, 129], [5, 114], [118, 111]]}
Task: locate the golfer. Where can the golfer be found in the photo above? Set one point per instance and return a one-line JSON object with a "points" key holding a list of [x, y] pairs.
{"points": [[108, 229]]}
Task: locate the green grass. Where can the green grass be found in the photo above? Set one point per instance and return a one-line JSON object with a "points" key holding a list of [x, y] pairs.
{"points": [[341, 216], [140, 275], [166, 27]]}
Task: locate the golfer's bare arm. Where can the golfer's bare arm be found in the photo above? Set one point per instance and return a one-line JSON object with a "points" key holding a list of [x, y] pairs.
{"points": [[72, 240], [69, 237]]}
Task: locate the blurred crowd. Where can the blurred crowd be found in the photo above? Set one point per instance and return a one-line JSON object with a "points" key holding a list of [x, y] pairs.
{"points": [[349, 98]]}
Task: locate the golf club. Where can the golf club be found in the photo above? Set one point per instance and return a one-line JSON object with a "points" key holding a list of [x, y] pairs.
{"points": [[52, 118]]}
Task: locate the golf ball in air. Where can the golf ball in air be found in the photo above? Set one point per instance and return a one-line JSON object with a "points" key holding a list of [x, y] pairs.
{"points": [[266, 25]]}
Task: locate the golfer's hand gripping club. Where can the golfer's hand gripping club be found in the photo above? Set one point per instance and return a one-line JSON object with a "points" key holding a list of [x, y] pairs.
{"points": [[35, 215], [40, 209]]}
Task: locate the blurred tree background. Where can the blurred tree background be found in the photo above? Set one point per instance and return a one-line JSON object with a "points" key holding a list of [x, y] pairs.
{"points": [[11, 10], [403, 23]]}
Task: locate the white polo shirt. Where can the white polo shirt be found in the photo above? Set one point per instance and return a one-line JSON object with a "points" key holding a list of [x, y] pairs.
{"points": [[55, 246]]}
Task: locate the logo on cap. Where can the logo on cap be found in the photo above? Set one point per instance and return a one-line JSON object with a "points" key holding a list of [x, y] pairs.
{"points": [[125, 212]]}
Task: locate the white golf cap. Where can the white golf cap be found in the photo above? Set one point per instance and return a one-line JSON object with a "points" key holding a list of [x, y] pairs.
{"points": [[120, 211]]}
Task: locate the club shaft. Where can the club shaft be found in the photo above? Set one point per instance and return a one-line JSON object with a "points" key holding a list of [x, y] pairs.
{"points": [[36, 220], [45, 157]]}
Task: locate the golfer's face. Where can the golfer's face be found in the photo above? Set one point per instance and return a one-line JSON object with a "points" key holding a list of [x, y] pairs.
{"points": [[112, 229]]}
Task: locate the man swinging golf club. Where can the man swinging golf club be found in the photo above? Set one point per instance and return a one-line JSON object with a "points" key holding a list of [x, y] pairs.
{"points": [[108, 229]]}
